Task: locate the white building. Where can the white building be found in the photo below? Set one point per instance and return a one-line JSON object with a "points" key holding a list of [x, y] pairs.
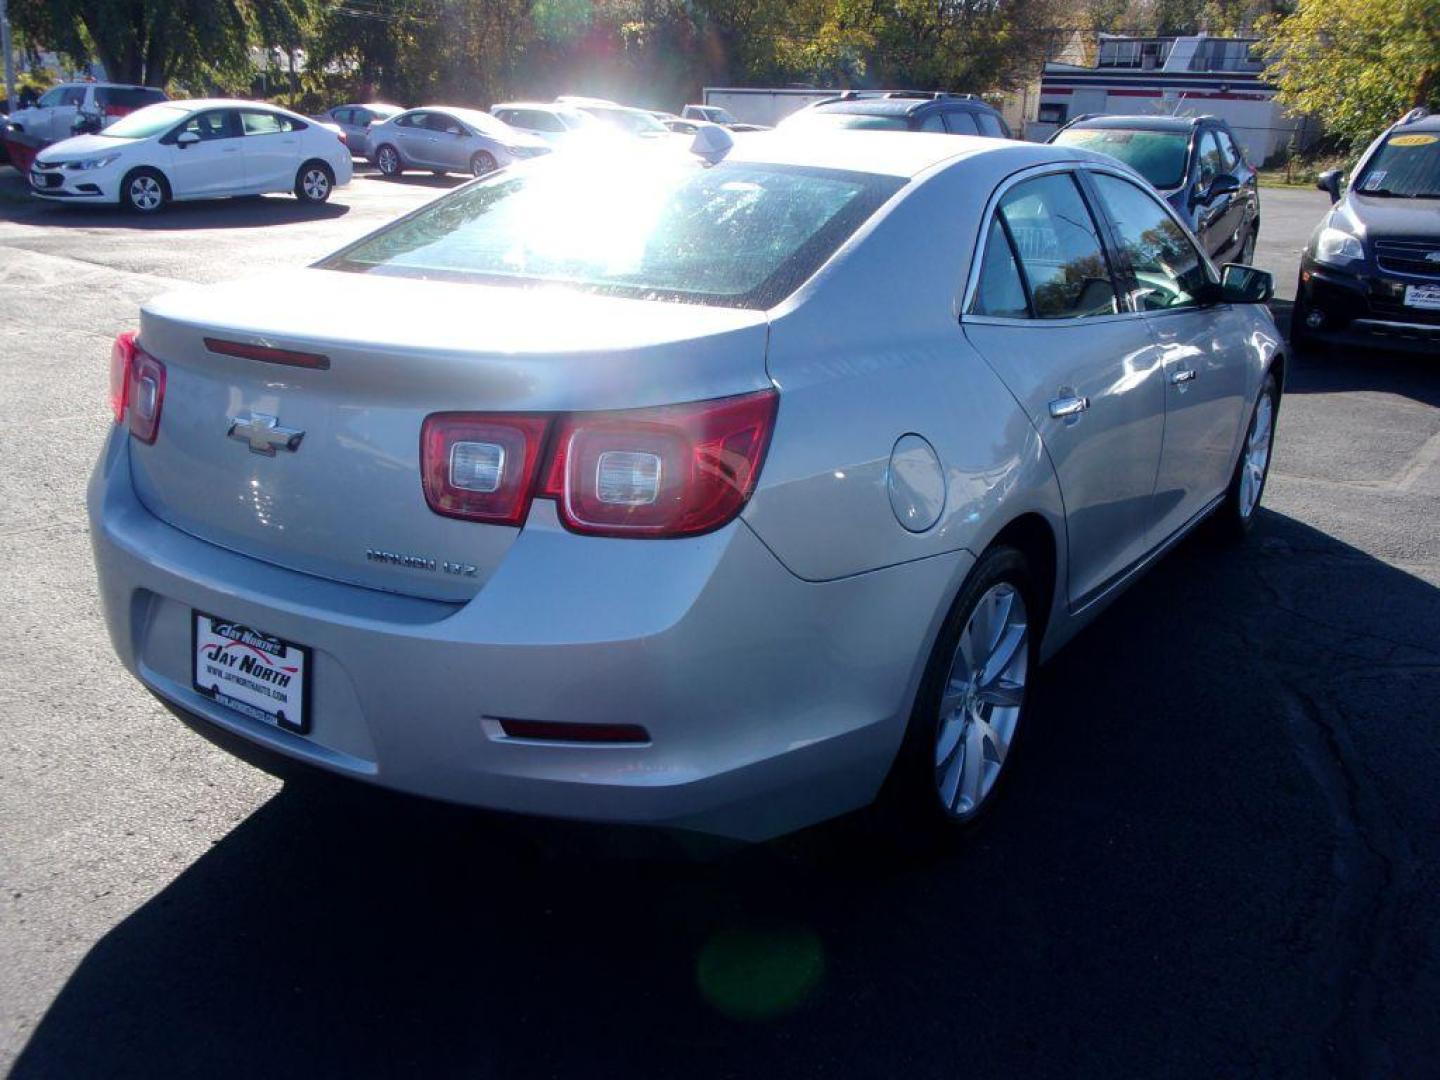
{"points": [[1178, 76]]}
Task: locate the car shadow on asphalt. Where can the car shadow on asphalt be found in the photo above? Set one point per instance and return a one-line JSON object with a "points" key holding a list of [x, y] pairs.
{"points": [[1174, 867], [444, 182], [244, 212]]}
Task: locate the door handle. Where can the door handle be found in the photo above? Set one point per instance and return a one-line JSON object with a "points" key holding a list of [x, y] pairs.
{"points": [[1063, 407], [1182, 376]]}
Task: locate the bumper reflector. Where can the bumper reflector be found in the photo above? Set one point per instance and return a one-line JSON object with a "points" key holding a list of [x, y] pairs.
{"points": [[554, 731]]}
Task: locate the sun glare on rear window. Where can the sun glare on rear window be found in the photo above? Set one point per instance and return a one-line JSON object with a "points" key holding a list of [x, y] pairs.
{"points": [[741, 234]]}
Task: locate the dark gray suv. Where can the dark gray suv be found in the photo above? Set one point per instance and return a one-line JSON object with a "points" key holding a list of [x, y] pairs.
{"points": [[904, 110]]}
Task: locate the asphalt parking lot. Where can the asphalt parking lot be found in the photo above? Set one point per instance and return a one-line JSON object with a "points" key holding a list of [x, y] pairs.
{"points": [[1222, 856]]}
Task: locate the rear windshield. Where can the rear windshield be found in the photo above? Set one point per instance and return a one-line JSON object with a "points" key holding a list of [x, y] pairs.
{"points": [[143, 123], [1159, 156], [734, 235], [125, 97], [1407, 166]]}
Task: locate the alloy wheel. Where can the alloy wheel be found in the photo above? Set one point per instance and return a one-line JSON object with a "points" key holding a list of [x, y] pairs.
{"points": [[482, 164], [146, 193], [982, 700], [1257, 453], [389, 162]]}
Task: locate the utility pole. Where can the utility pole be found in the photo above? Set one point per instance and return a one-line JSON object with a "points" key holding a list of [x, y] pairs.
{"points": [[9, 60]]}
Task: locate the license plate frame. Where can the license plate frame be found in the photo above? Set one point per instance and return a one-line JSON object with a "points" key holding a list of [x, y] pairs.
{"points": [[1423, 297], [251, 672]]}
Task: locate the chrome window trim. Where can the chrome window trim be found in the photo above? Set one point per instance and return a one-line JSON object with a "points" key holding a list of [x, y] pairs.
{"points": [[992, 204]]}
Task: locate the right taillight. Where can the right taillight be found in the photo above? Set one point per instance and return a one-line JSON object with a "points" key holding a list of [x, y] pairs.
{"points": [[678, 470]]}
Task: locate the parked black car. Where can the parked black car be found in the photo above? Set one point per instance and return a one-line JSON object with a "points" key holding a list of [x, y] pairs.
{"points": [[1196, 164], [904, 110], [1371, 271]]}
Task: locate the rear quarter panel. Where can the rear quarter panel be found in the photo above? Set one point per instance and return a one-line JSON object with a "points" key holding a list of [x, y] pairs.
{"points": [[872, 350]]}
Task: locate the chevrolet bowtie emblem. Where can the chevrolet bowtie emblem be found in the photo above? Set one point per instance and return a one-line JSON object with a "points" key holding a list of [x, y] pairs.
{"points": [[264, 434]]}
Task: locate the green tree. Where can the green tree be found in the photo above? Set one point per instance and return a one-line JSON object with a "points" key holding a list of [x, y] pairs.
{"points": [[1356, 66], [153, 41]]}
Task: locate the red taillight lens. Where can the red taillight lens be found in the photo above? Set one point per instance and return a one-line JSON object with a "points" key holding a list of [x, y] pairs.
{"points": [[122, 353], [481, 467], [680, 470], [145, 395]]}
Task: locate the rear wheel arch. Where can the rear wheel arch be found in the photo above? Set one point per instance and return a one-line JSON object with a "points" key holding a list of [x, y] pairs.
{"points": [[1033, 537]]}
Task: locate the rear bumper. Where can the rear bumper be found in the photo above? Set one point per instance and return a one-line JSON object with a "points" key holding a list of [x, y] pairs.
{"points": [[771, 703]]}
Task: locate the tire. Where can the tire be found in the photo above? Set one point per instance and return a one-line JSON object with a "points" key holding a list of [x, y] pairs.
{"points": [[314, 183], [1247, 249], [144, 191], [388, 161], [482, 163], [1235, 517], [971, 709]]}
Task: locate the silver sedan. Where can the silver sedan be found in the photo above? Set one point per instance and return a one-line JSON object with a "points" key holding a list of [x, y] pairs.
{"points": [[449, 140], [728, 494]]}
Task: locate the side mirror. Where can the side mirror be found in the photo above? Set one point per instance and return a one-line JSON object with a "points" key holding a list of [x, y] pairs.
{"points": [[1245, 284], [186, 138], [1329, 180]]}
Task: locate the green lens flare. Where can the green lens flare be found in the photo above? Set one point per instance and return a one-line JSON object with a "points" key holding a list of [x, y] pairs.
{"points": [[759, 974]]}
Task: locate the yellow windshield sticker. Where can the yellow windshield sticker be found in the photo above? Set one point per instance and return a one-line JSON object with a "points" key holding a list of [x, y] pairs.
{"points": [[1413, 140]]}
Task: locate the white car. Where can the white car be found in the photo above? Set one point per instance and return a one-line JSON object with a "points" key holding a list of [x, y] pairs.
{"points": [[553, 123], [204, 149], [53, 117]]}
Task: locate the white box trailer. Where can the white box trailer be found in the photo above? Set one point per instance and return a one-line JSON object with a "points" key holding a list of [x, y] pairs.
{"points": [[764, 105]]}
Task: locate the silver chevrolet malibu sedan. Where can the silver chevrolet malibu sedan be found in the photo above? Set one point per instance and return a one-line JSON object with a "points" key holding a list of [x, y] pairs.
{"points": [[729, 495]]}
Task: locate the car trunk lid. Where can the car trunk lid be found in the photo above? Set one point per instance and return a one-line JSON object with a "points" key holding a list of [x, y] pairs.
{"points": [[341, 494]]}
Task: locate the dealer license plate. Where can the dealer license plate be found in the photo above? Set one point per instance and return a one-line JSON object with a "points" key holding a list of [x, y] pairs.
{"points": [[1423, 296], [257, 674]]}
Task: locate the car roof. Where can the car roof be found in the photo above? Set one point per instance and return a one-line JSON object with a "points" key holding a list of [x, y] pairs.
{"points": [[547, 106], [888, 106], [196, 104], [1420, 123], [902, 154], [1143, 123]]}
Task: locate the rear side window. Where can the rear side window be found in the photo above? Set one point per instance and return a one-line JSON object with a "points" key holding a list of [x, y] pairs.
{"points": [[264, 123], [1212, 161], [1059, 248], [1000, 293], [961, 122], [411, 120], [1233, 157], [735, 234], [990, 125]]}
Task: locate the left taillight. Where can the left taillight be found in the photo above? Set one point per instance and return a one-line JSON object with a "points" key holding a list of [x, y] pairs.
{"points": [[137, 387]]}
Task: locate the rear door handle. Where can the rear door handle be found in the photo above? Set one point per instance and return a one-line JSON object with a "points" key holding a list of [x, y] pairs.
{"points": [[1062, 407], [1182, 376]]}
